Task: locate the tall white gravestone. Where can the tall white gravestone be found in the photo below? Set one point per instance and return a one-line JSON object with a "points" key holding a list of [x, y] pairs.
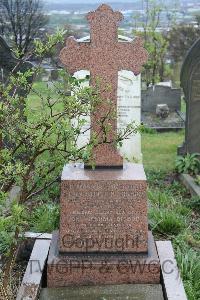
{"points": [[128, 108]]}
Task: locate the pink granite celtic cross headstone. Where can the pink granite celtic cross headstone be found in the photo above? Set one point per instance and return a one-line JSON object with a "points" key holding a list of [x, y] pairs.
{"points": [[103, 224], [104, 56]]}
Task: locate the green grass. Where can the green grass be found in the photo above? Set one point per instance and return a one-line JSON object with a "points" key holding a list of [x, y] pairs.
{"points": [[34, 100], [38, 98], [173, 214], [165, 221], [189, 265], [194, 203], [160, 150]]}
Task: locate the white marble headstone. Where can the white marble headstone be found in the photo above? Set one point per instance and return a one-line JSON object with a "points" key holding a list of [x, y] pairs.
{"points": [[128, 107]]}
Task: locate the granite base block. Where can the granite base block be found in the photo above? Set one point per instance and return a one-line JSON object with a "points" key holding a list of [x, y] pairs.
{"points": [[76, 269], [113, 292], [103, 210]]}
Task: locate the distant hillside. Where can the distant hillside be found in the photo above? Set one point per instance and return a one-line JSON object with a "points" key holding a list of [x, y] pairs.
{"points": [[87, 5], [62, 12]]}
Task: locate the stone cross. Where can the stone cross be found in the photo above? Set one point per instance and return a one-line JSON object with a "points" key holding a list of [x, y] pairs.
{"points": [[104, 56]]}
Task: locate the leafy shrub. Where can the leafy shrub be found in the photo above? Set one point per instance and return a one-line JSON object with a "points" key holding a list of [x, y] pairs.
{"points": [[45, 218], [16, 221], [155, 177], [38, 138], [189, 164]]}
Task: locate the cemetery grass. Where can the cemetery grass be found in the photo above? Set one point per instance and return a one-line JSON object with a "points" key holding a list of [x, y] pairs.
{"points": [[41, 90], [160, 150], [173, 214]]}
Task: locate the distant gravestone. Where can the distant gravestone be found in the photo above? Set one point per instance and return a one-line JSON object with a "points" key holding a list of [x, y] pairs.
{"points": [[161, 95], [190, 82], [128, 106]]}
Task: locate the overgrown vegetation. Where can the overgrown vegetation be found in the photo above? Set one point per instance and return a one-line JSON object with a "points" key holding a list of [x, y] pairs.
{"points": [[166, 51], [45, 218], [174, 215], [36, 143], [156, 43], [189, 164]]}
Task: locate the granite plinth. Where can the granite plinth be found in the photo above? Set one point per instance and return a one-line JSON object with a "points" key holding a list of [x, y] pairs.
{"points": [[104, 210], [74, 269], [114, 292]]}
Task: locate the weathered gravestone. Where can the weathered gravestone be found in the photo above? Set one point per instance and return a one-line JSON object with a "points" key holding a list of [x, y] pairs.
{"points": [[161, 95], [128, 108], [103, 236], [190, 82]]}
